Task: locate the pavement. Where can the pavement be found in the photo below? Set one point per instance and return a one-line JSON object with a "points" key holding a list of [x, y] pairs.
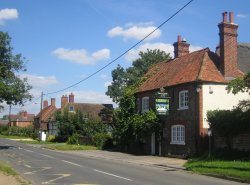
{"points": [[156, 161]]}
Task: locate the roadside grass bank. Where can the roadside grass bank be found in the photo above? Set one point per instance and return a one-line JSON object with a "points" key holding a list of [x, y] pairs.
{"points": [[60, 146], [233, 170], [8, 171], [13, 137]]}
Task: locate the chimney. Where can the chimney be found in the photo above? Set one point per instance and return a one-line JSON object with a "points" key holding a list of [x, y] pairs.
{"points": [[45, 104], [71, 98], [53, 102], [181, 47], [228, 46], [64, 100], [25, 114]]}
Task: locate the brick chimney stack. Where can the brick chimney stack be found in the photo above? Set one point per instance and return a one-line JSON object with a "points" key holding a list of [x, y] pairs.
{"points": [[64, 101], [53, 102], [181, 47], [228, 45], [71, 98], [45, 104]]}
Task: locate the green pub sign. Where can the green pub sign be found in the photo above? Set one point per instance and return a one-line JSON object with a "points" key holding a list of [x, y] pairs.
{"points": [[162, 106]]}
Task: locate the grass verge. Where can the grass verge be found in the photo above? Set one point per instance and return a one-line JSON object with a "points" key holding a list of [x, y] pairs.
{"points": [[237, 170], [13, 137], [60, 146], [7, 170], [64, 146]]}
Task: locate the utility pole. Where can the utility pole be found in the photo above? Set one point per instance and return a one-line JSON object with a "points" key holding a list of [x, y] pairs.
{"points": [[41, 111]]}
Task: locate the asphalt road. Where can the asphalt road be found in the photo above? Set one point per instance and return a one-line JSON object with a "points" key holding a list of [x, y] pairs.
{"points": [[42, 166]]}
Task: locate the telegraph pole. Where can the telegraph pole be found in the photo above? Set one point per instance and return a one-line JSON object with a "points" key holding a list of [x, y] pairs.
{"points": [[41, 110]]}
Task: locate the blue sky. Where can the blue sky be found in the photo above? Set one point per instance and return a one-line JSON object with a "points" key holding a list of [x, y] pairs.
{"points": [[65, 41]]}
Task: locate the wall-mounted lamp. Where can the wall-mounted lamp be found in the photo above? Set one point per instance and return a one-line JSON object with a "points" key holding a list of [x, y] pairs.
{"points": [[198, 88], [211, 90]]}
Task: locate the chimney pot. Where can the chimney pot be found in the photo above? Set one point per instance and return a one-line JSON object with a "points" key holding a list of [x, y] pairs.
{"points": [[224, 15], [231, 17]]}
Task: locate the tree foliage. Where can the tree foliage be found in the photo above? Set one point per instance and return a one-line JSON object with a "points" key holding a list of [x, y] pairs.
{"points": [[240, 84], [123, 78], [13, 90]]}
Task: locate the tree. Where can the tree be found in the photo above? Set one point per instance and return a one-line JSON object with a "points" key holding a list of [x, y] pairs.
{"points": [[240, 84], [123, 78], [13, 89]]}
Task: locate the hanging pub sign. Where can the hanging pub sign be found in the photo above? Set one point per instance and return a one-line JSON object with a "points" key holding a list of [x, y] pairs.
{"points": [[162, 102]]}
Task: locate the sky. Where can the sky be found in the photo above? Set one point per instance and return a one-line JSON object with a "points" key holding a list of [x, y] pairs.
{"points": [[65, 41]]}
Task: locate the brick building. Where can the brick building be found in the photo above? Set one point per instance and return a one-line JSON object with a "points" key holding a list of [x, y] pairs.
{"points": [[23, 119], [195, 83]]}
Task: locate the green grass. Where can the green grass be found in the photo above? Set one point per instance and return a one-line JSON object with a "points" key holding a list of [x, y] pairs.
{"points": [[239, 170], [7, 170], [64, 146], [13, 137], [36, 142]]}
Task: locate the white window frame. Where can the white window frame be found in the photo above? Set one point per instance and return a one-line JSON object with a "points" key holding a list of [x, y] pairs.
{"points": [[70, 108], [178, 134], [145, 104], [183, 100]]}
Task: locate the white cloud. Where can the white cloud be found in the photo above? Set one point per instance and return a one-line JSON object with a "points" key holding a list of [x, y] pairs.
{"points": [[40, 81], [7, 14], [81, 56], [106, 84], [168, 48], [242, 15], [134, 31]]}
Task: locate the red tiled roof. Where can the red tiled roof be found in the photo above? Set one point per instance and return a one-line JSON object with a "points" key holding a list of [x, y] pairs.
{"points": [[47, 113], [196, 66]]}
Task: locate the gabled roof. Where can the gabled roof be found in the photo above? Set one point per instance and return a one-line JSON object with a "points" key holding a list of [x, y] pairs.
{"points": [[47, 113], [90, 109], [20, 118], [200, 65]]}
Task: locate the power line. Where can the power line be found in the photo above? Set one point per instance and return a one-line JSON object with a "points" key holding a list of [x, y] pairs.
{"points": [[121, 55]]}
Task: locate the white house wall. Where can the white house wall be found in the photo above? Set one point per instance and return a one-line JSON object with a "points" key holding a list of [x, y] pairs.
{"points": [[216, 97]]}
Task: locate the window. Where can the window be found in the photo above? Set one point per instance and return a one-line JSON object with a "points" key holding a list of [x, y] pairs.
{"points": [[145, 104], [178, 135], [71, 108], [183, 100]]}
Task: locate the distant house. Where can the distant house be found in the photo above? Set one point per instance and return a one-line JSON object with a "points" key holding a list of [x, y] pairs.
{"points": [[195, 83], [45, 119], [22, 119], [46, 116], [91, 111]]}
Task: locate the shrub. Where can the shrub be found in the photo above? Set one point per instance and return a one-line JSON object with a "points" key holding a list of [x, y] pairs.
{"points": [[51, 138], [22, 131], [3, 129], [102, 140], [74, 139]]}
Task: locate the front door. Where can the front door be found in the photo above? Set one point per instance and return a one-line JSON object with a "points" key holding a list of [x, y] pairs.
{"points": [[153, 143]]}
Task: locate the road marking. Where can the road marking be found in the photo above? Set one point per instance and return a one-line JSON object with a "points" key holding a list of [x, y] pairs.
{"points": [[53, 180], [42, 169], [72, 163], [47, 156], [27, 150], [28, 166], [113, 175]]}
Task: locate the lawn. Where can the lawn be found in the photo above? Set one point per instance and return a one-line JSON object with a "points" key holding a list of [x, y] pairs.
{"points": [[238, 170]]}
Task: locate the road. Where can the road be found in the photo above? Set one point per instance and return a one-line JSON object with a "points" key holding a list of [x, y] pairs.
{"points": [[42, 166]]}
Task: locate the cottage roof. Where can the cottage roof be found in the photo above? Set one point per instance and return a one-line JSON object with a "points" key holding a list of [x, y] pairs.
{"points": [[244, 56], [200, 65], [20, 117], [47, 113], [90, 109]]}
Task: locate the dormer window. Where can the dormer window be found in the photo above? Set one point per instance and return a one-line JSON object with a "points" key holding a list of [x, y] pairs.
{"points": [[183, 99], [145, 104], [71, 108]]}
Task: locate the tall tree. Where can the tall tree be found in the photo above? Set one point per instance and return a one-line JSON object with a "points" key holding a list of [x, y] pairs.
{"points": [[13, 89], [123, 78]]}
